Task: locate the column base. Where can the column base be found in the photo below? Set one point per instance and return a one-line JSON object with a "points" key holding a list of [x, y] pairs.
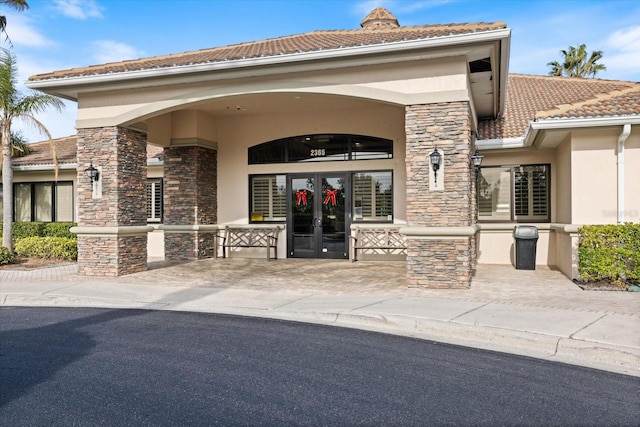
{"points": [[111, 251]]}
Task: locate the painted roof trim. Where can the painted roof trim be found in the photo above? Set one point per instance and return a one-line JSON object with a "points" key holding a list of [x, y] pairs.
{"points": [[575, 123], [499, 143]]}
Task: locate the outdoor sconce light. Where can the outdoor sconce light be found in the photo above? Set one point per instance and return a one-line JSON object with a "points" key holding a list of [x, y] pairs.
{"points": [[92, 173], [435, 158], [477, 160]]}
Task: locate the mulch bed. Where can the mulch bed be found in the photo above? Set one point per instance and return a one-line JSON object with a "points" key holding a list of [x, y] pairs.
{"points": [[603, 285], [28, 263]]}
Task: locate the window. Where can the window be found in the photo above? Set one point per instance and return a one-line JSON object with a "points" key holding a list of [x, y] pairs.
{"points": [[514, 193], [43, 201], [372, 196], [321, 148], [154, 200], [268, 198]]}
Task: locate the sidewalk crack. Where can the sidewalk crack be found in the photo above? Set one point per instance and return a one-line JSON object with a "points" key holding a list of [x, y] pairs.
{"points": [[470, 311], [586, 326]]}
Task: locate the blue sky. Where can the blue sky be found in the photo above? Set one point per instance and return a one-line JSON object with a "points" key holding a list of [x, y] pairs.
{"points": [[60, 34]]}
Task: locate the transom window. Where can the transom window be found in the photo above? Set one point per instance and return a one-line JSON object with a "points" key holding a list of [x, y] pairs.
{"points": [[321, 148], [514, 193]]}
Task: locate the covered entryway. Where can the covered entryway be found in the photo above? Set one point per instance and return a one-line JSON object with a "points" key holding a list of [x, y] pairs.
{"points": [[319, 216]]}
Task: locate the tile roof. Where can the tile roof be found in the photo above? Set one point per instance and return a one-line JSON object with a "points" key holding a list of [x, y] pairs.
{"points": [[66, 152], [543, 97], [299, 43], [40, 152]]}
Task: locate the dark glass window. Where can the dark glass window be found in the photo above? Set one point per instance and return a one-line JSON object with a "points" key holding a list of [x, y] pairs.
{"points": [[43, 201], [321, 148], [372, 196], [368, 148]]}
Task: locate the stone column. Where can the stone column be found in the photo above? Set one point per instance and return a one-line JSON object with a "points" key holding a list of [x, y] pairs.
{"points": [[190, 202], [112, 212], [440, 219]]}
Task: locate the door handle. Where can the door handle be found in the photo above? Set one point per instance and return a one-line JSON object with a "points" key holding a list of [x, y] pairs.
{"points": [[317, 222]]}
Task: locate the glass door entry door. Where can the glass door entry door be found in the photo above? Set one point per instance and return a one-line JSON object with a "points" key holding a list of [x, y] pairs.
{"points": [[319, 216]]}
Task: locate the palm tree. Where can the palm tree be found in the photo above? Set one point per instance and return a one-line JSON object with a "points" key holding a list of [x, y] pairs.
{"points": [[18, 5], [15, 105], [576, 63]]}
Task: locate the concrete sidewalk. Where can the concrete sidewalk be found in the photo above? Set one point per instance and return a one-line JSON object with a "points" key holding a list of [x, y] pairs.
{"points": [[534, 313]]}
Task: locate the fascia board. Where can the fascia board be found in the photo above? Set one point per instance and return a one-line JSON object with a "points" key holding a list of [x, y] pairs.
{"points": [[499, 144], [44, 167], [287, 60], [576, 123]]}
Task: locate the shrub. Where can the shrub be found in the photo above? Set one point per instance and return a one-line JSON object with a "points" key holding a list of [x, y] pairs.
{"points": [[609, 252], [48, 247], [41, 229], [6, 257], [27, 229], [59, 229]]}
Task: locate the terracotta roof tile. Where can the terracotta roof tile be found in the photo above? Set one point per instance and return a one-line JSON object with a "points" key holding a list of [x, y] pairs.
{"points": [[300, 43], [66, 152], [40, 152], [535, 97]]}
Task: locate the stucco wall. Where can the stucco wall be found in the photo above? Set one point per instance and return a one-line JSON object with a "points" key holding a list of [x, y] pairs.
{"points": [[236, 135]]}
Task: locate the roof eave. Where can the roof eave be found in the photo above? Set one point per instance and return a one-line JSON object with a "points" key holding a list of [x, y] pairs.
{"points": [[69, 87], [539, 126]]}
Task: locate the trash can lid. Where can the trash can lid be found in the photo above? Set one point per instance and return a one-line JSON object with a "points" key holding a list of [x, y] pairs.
{"points": [[525, 232]]}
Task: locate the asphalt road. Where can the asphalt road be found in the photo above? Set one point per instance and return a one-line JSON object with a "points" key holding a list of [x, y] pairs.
{"points": [[133, 367]]}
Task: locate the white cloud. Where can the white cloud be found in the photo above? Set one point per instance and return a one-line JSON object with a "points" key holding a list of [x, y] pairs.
{"points": [[112, 51], [622, 54], [79, 9], [22, 32]]}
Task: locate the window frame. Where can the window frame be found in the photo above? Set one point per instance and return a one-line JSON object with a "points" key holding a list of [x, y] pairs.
{"points": [[351, 174], [150, 201], [353, 198], [250, 207], [512, 195], [33, 200]]}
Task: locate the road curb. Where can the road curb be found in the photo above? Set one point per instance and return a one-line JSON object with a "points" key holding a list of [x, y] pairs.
{"points": [[623, 360]]}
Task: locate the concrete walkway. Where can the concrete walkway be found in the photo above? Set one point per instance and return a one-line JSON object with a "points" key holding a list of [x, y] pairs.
{"points": [[537, 313]]}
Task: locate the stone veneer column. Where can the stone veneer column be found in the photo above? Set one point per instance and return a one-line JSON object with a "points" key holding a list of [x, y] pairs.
{"points": [[441, 227], [190, 202], [112, 217]]}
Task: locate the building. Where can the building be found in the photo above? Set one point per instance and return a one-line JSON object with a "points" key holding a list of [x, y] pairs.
{"points": [[252, 132]]}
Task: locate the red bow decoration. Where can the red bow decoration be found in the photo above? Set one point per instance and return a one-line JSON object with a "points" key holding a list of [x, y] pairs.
{"points": [[301, 197], [331, 196]]}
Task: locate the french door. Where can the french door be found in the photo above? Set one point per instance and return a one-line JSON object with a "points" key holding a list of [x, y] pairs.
{"points": [[319, 216]]}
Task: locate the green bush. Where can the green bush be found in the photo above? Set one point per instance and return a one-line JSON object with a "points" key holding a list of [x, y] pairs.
{"points": [[59, 229], [27, 229], [41, 229], [48, 247], [6, 257], [609, 252]]}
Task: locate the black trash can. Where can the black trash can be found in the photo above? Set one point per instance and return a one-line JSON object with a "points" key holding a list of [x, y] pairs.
{"points": [[526, 237]]}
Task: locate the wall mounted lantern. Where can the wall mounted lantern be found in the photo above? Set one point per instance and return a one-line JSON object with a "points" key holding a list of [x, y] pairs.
{"points": [[477, 160], [435, 158], [92, 173]]}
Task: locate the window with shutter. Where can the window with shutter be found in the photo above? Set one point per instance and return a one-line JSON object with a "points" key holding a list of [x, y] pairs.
{"points": [[372, 196], [268, 198], [154, 200], [514, 193]]}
